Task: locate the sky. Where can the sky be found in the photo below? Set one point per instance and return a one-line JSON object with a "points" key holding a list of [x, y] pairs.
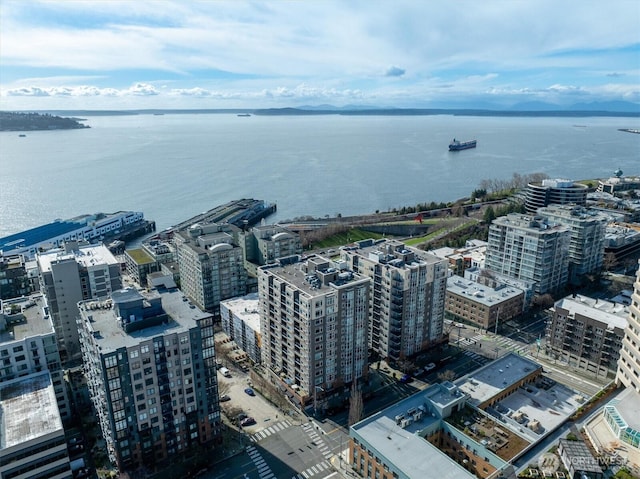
{"points": [[496, 54]]}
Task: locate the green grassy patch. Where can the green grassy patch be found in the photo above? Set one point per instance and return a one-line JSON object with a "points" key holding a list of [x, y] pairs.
{"points": [[346, 237]]}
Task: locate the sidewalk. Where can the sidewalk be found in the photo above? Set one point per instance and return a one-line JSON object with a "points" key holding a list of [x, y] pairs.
{"points": [[340, 463]]}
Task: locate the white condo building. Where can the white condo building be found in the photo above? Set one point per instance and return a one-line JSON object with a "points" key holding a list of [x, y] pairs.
{"points": [[529, 248], [586, 244]]}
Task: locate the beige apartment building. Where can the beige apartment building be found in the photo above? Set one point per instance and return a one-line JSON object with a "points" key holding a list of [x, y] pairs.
{"points": [[407, 297], [586, 333], [314, 320], [211, 264], [481, 305]]}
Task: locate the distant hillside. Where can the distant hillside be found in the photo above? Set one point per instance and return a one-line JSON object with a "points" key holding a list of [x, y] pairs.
{"points": [[10, 121], [458, 112]]}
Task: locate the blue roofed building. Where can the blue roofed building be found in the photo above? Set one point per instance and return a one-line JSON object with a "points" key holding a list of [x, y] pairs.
{"points": [[86, 227]]}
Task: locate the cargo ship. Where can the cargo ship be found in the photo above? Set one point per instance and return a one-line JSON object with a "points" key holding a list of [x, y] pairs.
{"points": [[456, 145]]}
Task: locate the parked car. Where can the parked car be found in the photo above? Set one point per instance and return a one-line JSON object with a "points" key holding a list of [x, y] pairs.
{"points": [[225, 398], [81, 473], [240, 417], [406, 378], [247, 421], [75, 440], [76, 449], [249, 391], [430, 367]]}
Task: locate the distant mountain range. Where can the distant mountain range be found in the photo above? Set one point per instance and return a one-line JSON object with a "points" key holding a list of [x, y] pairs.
{"points": [[612, 108]]}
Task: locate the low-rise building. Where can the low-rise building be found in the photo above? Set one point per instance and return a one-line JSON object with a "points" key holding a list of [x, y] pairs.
{"points": [[150, 258], [498, 379], [472, 255], [139, 264], [91, 228], [482, 305], [412, 437], [241, 321], [587, 333], [619, 184], [32, 440], [578, 460], [623, 417], [14, 278]]}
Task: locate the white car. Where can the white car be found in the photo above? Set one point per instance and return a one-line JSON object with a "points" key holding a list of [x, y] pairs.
{"points": [[429, 367]]}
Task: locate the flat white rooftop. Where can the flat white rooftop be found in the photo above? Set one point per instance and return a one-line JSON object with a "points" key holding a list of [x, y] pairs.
{"points": [[31, 320], [480, 293], [405, 447], [247, 308], [28, 409], [613, 314], [87, 256], [489, 380]]}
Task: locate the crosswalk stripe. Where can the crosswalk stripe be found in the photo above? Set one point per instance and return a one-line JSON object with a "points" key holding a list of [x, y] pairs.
{"points": [[305, 475]]}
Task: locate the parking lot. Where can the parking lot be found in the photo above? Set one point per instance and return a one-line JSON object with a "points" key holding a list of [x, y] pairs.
{"points": [[253, 406]]}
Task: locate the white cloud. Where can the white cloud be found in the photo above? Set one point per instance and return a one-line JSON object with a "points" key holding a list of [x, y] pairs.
{"points": [[242, 51]]}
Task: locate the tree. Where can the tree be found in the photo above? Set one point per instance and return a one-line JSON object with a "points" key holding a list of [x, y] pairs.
{"points": [[489, 215], [543, 300], [447, 375], [356, 406], [609, 262]]}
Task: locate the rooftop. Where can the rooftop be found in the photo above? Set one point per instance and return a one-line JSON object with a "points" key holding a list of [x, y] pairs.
{"points": [[40, 234], [528, 223], [140, 256], [26, 316], [580, 456], [489, 380], [613, 314], [404, 446], [86, 256], [394, 253], [315, 275], [480, 293], [110, 335], [28, 409], [247, 308], [628, 406]]}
